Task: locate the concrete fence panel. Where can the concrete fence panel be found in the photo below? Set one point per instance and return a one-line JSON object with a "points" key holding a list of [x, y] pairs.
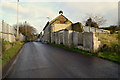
{"points": [[92, 29], [98, 30], [56, 38], [65, 38], [7, 32], [52, 37], [88, 40], [60, 37], [70, 38], [80, 39], [96, 43], [86, 29], [75, 39]]}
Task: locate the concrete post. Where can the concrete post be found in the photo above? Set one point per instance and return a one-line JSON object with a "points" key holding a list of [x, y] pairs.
{"points": [[96, 44], [88, 40], [70, 38]]}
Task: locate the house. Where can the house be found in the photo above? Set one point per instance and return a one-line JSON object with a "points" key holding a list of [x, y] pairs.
{"points": [[57, 24], [77, 27]]}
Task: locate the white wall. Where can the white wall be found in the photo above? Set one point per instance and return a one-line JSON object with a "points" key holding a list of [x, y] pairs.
{"points": [[92, 29], [82, 40], [8, 32]]}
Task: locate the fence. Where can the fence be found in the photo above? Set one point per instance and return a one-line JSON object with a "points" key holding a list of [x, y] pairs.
{"points": [[7, 32], [92, 29], [82, 40]]}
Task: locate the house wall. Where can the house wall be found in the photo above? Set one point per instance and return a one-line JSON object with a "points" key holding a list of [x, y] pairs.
{"points": [[58, 27], [47, 34], [76, 27]]}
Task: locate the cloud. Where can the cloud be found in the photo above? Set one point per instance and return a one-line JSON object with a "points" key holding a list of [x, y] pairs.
{"points": [[77, 11], [35, 13], [62, 0], [31, 12], [13, 7]]}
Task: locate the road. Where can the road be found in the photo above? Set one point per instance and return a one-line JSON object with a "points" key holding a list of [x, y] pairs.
{"points": [[37, 60]]}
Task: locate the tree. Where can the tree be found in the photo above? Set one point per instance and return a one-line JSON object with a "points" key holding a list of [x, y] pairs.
{"points": [[112, 29], [97, 19], [89, 22], [27, 30]]}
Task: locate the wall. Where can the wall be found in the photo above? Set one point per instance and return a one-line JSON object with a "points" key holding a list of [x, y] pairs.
{"points": [[76, 27], [21, 37], [7, 32], [47, 34], [58, 27], [70, 38], [96, 43], [82, 40], [75, 39], [88, 41], [92, 29]]}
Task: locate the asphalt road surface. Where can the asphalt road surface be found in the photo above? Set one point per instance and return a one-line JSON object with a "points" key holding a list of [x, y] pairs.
{"points": [[37, 60]]}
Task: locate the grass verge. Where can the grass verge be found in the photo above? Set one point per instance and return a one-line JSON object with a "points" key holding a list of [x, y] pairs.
{"points": [[112, 56], [10, 53]]}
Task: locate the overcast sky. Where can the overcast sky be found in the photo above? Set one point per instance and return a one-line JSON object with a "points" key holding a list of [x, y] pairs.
{"points": [[35, 13]]}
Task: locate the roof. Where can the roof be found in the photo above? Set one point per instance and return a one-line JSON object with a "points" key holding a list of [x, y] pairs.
{"points": [[76, 27], [46, 25], [52, 21]]}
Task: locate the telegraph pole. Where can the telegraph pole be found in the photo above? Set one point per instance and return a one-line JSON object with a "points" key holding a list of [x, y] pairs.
{"points": [[2, 27], [26, 29], [17, 20]]}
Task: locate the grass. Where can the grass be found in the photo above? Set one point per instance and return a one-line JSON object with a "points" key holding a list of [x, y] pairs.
{"points": [[74, 49], [113, 56], [112, 49], [10, 53], [110, 40]]}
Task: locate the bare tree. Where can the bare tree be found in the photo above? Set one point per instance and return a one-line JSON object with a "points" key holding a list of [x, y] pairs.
{"points": [[26, 29], [96, 18]]}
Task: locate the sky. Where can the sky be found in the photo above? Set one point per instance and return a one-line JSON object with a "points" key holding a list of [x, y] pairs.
{"points": [[36, 13]]}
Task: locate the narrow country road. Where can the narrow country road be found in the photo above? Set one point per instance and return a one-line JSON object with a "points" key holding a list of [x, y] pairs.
{"points": [[37, 60]]}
